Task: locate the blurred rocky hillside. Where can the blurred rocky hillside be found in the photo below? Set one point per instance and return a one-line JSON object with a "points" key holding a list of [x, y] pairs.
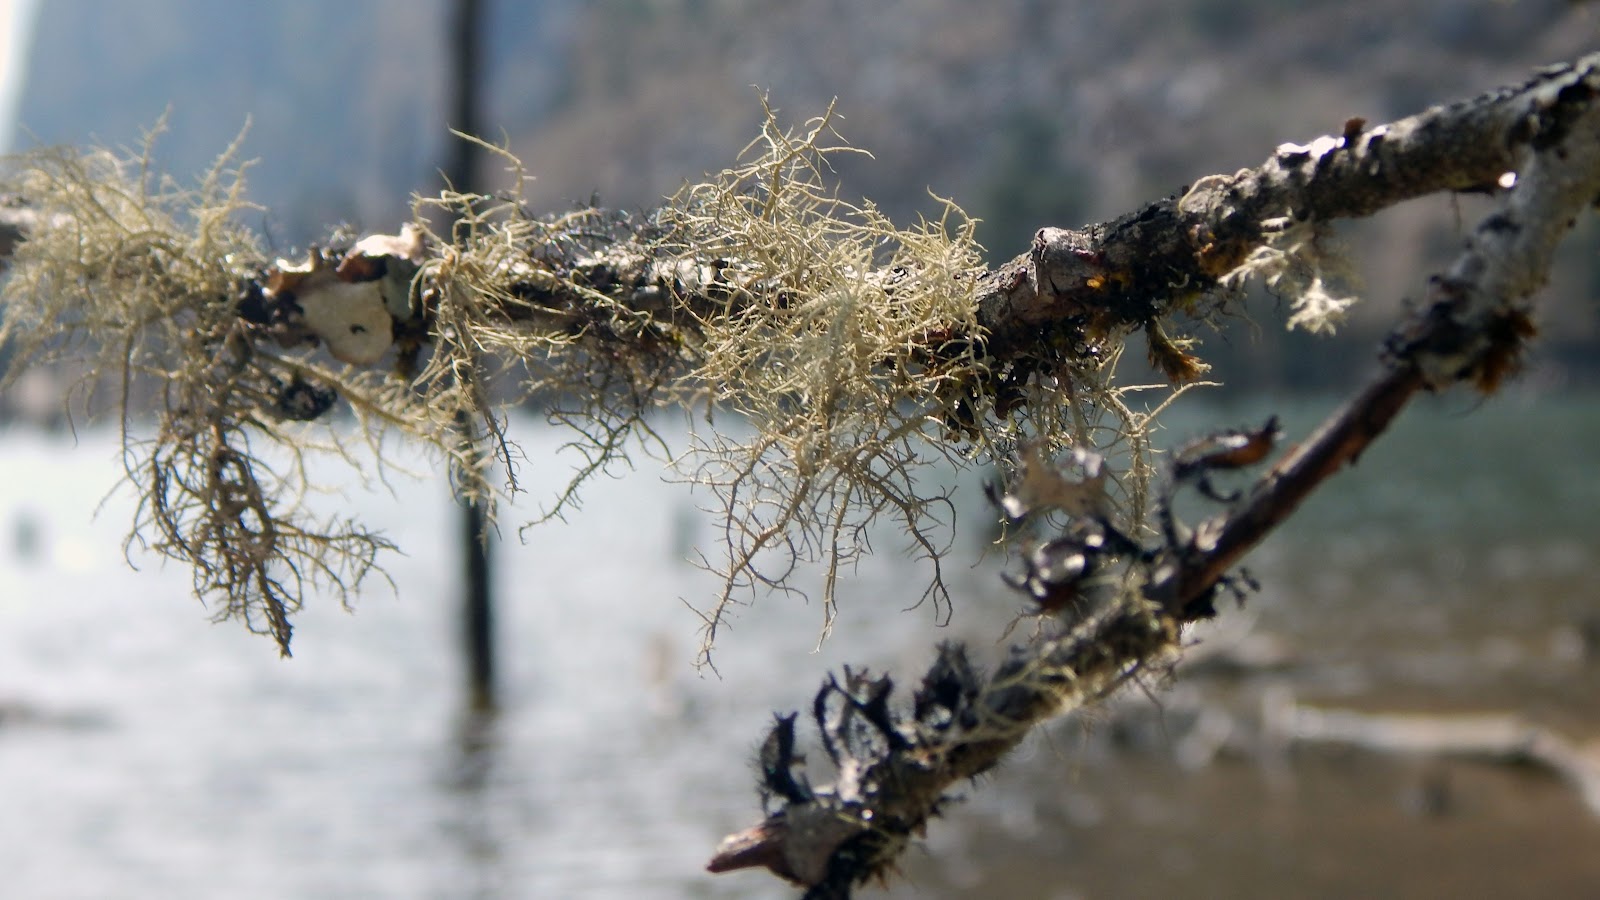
{"points": [[1027, 112]]}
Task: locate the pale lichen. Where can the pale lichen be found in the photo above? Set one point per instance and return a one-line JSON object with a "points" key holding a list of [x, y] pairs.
{"points": [[1302, 261], [848, 345], [135, 282]]}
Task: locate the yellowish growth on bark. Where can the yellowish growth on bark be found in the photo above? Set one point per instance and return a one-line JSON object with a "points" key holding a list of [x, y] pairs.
{"points": [[1302, 261], [134, 280], [845, 346]]}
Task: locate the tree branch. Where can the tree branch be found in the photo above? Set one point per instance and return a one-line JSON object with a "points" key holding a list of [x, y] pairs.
{"points": [[1472, 328], [1072, 285]]}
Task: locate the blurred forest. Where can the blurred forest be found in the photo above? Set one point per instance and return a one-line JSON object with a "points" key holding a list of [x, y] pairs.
{"points": [[1026, 112]]}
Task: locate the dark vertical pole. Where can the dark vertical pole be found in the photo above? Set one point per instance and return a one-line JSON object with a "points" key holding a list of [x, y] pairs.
{"points": [[461, 165], [465, 26], [478, 603]]}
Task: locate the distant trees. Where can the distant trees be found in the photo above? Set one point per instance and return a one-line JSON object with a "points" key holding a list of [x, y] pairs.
{"points": [[860, 351]]}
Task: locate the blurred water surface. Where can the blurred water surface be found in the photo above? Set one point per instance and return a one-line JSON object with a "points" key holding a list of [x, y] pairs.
{"points": [[145, 752]]}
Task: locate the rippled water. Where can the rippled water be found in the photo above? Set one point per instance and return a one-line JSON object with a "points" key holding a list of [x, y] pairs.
{"points": [[147, 753]]}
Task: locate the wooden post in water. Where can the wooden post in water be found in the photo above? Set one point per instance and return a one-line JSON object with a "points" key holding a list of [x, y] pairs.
{"points": [[477, 622]]}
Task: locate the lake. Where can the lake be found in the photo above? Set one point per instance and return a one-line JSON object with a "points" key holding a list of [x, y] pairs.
{"points": [[145, 752]]}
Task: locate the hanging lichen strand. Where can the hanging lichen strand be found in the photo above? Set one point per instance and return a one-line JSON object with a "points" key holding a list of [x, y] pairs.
{"points": [[140, 285], [852, 352], [852, 349]]}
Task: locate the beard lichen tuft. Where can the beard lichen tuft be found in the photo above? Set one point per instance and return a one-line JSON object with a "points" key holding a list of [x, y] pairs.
{"points": [[133, 283], [819, 343], [1302, 260], [844, 348]]}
